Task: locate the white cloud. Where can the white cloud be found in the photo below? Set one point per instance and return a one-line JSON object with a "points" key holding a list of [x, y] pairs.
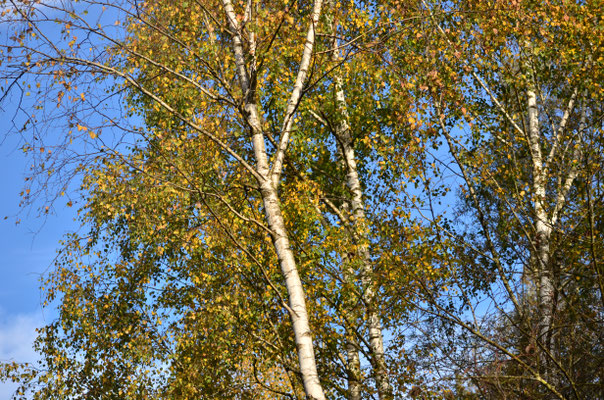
{"points": [[17, 334]]}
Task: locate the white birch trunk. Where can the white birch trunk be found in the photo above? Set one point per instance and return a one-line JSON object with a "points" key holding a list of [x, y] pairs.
{"points": [[272, 206], [543, 228], [376, 340], [352, 346], [299, 314], [354, 368], [353, 362]]}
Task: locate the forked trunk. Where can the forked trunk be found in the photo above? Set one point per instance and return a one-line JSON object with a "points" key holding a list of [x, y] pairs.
{"points": [[268, 183]]}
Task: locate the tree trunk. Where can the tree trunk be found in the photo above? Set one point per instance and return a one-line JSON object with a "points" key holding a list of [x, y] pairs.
{"points": [[354, 365], [376, 340], [299, 315], [268, 188], [543, 274], [352, 343]]}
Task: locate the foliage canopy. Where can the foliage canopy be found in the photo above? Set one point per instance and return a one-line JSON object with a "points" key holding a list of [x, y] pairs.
{"points": [[315, 199]]}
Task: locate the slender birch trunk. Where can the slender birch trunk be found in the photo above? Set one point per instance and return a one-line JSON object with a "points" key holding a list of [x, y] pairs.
{"points": [[543, 274], [376, 340], [353, 360], [268, 188], [352, 344], [543, 228]]}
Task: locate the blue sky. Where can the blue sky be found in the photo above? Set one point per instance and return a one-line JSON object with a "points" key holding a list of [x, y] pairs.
{"points": [[26, 251]]}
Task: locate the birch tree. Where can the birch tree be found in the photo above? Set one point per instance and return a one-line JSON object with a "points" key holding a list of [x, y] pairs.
{"points": [[174, 187], [47, 58], [514, 103]]}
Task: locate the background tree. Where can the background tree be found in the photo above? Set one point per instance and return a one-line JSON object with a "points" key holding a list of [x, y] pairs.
{"points": [[514, 93]]}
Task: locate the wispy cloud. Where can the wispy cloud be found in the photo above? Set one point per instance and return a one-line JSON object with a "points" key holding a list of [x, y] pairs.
{"points": [[17, 334]]}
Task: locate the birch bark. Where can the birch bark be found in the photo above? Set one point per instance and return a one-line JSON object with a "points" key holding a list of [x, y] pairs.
{"points": [[268, 187], [376, 340], [352, 344], [545, 221], [299, 314], [543, 229]]}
